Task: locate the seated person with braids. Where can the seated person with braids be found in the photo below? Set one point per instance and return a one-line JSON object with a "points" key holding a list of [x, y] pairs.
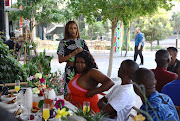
{"points": [[84, 86]]}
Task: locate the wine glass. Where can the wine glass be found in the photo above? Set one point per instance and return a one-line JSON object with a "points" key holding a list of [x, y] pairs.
{"points": [[17, 85], [46, 111], [86, 107]]}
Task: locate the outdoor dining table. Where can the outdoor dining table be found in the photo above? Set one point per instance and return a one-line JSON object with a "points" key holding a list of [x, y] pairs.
{"points": [[38, 115]]}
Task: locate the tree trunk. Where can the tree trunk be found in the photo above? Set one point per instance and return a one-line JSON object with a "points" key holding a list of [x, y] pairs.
{"points": [[157, 42], [151, 45], [151, 40], [127, 34], [113, 29], [177, 40]]}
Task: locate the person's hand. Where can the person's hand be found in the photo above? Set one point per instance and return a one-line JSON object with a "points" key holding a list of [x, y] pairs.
{"points": [[80, 49], [100, 104], [139, 47], [1, 94], [90, 94]]}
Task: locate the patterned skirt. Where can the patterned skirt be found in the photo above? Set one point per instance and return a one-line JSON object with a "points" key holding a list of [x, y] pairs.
{"points": [[68, 76]]}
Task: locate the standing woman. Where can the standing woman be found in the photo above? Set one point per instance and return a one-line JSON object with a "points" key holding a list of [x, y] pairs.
{"points": [[70, 46]]}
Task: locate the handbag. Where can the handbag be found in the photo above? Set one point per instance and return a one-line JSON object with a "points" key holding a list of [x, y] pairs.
{"points": [[3, 89]]}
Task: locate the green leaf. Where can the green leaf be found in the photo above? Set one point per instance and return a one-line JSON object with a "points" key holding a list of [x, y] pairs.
{"points": [[40, 104]]}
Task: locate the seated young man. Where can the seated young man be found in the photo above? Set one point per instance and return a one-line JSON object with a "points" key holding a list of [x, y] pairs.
{"points": [[172, 88], [120, 100], [163, 76], [159, 106], [173, 66]]}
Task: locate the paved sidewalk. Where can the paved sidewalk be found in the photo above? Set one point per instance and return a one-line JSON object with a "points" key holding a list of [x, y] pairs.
{"points": [[102, 59]]}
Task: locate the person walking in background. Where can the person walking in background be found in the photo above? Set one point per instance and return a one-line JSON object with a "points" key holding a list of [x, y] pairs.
{"points": [[70, 46], [173, 66], [139, 43]]}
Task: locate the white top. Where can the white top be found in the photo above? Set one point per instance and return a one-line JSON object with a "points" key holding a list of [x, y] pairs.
{"points": [[122, 99]]}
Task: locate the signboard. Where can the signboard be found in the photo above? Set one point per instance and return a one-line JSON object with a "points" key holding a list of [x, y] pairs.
{"points": [[6, 2], [118, 37]]}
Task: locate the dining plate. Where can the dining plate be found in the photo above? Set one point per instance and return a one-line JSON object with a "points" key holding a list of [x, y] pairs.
{"points": [[5, 105], [6, 98], [26, 117]]}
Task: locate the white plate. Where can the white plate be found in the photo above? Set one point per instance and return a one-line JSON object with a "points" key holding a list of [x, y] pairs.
{"points": [[25, 117], [5, 98], [8, 106]]}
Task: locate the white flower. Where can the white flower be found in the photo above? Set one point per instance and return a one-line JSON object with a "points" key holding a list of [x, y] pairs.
{"points": [[30, 46], [36, 90], [38, 75], [49, 75]]}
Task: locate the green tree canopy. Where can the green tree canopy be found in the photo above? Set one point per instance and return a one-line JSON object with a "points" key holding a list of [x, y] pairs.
{"points": [[176, 24], [44, 11], [156, 26], [94, 30], [116, 10]]}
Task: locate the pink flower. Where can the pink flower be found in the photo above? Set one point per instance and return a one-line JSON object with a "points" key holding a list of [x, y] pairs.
{"points": [[59, 103], [49, 89], [30, 78], [61, 79], [42, 80], [62, 90]]}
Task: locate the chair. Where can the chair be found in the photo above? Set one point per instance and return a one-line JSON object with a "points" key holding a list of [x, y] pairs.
{"points": [[13, 84]]}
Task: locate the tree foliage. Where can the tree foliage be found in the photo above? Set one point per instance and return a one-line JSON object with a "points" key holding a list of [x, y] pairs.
{"points": [[116, 9], [156, 26], [94, 30], [176, 23], [44, 11]]}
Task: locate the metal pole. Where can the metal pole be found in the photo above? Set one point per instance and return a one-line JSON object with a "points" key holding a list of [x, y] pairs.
{"points": [[177, 43]]}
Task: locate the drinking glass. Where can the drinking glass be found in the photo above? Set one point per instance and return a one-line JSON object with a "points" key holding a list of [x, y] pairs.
{"points": [[22, 98], [17, 85], [86, 107], [46, 111]]}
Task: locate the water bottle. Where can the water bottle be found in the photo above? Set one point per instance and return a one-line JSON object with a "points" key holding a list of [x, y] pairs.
{"points": [[28, 98]]}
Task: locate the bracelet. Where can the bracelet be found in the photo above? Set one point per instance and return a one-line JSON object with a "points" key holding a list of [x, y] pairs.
{"points": [[70, 55]]}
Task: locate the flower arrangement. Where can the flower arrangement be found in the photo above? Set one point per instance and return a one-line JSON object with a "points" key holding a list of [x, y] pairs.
{"points": [[40, 83], [89, 114], [58, 109]]}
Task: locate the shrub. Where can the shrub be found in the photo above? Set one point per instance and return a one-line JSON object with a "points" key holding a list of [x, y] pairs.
{"points": [[40, 64], [10, 68]]}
